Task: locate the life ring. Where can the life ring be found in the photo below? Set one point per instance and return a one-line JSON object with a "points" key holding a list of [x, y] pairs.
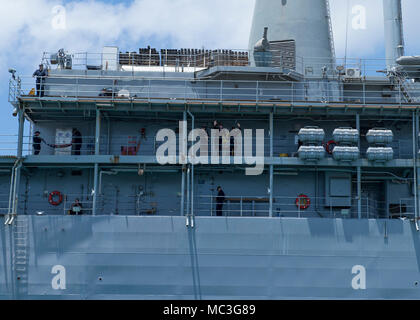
{"points": [[52, 196], [329, 147], [303, 202]]}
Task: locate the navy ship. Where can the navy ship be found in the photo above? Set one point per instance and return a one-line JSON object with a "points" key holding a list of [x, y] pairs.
{"points": [[276, 172]]}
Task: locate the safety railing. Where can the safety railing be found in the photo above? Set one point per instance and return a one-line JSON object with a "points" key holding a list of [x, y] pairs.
{"points": [[131, 89], [138, 145], [4, 203], [74, 204], [55, 145], [294, 207], [113, 202], [193, 60], [186, 60]]}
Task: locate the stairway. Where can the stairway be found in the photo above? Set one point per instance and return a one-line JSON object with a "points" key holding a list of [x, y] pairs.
{"points": [[406, 88]]}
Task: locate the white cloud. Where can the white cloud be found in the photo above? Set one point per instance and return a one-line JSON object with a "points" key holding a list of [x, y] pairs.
{"points": [[26, 31]]}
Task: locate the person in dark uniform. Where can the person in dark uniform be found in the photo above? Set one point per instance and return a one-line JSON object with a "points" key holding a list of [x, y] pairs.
{"points": [[220, 199], [76, 142], [76, 208], [40, 75], [37, 140], [300, 144]]}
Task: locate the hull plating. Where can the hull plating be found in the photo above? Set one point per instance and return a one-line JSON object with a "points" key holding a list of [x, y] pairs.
{"points": [[220, 258]]}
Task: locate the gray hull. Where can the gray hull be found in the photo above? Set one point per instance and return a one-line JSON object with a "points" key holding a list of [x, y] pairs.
{"points": [[223, 258]]}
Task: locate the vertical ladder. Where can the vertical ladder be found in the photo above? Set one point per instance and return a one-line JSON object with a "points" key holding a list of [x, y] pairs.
{"points": [[20, 254]]}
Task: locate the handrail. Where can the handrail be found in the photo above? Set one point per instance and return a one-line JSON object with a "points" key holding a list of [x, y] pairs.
{"points": [[121, 89], [205, 206]]}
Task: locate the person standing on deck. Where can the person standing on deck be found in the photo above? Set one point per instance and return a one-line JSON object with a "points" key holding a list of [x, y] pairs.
{"points": [[76, 208], [36, 142], [220, 199], [76, 142], [40, 75]]}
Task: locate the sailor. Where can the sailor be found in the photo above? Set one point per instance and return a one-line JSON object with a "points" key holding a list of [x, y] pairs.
{"points": [[220, 199], [76, 142], [40, 75], [76, 208], [37, 140], [219, 126], [300, 144]]}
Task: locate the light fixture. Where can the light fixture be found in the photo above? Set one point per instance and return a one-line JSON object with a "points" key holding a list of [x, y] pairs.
{"points": [[15, 112]]}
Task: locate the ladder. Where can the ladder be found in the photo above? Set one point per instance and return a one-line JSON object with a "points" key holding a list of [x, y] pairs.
{"points": [[406, 87], [20, 254]]}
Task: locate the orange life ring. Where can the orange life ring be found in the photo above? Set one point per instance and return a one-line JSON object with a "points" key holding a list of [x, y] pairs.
{"points": [[303, 202], [53, 195], [328, 146]]}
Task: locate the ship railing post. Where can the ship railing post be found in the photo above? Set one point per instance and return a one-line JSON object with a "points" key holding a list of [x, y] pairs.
{"points": [[400, 208], [271, 166], [221, 90], [293, 92], [20, 134], [364, 92], [149, 89], [77, 88], [359, 193], [368, 208], [65, 205], [415, 157], [399, 92], [257, 91], [97, 152], [211, 205]]}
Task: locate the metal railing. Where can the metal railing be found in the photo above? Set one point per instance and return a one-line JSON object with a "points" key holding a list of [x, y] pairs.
{"points": [[321, 207], [165, 89], [193, 60], [113, 202], [136, 145]]}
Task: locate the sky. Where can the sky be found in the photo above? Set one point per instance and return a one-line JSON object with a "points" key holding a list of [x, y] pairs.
{"points": [[32, 27]]}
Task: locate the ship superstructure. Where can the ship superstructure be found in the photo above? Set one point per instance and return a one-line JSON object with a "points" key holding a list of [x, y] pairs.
{"points": [[90, 211]]}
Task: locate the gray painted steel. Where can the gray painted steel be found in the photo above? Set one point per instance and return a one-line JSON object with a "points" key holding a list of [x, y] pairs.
{"points": [[305, 21], [132, 241], [221, 258]]}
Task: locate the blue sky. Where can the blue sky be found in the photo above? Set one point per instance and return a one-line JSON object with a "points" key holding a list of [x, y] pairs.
{"points": [[26, 31]]}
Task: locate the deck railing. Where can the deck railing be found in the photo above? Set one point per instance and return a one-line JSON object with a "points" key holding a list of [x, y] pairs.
{"points": [[195, 60], [71, 88], [136, 145], [113, 202]]}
